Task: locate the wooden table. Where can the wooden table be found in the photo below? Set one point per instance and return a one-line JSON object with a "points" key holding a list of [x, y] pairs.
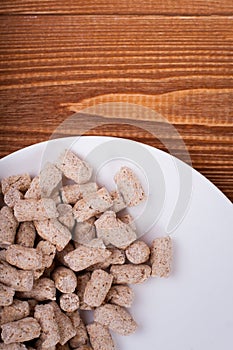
{"points": [[172, 56]]}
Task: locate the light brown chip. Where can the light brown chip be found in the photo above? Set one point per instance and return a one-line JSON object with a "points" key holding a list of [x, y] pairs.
{"points": [[48, 251], [138, 252], [161, 257], [66, 216], [113, 231], [12, 196], [82, 281], [45, 315], [17, 279], [8, 226], [49, 180], [14, 346], [32, 209], [92, 204], [74, 168], [34, 191], [54, 232], [24, 258], [72, 193], [26, 234], [97, 288], [83, 257], [81, 337], [130, 274], [65, 279], [116, 258], [69, 302], [6, 295], [116, 318], [84, 232], [120, 295], [20, 331], [14, 312], [18, 182], [100, 337], [129, 186], [65, 326], [118, 201], [43, 289]]}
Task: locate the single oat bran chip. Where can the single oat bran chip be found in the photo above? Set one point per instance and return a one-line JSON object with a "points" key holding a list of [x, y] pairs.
{"points": [[97, 288], [92, 204], [24, 258], [26, 234], [130, 274], [161, 257], [83, 257], [49, 180], [8, 226], [32, 209], [65, 279], [54, 232], [20, 331], [69, 302], [100, 337], [74, 168], [129, 186], [138, 252], [115, 318]]}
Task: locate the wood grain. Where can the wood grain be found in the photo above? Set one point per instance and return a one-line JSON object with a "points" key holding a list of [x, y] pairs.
{"points": [[179, 66], [152, 7]]}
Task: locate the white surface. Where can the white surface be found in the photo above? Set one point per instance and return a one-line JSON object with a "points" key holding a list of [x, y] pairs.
{"points": [[193, 309]]}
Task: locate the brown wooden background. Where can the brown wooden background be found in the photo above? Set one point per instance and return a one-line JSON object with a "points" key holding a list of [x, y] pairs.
{"points": [[172, 56]]}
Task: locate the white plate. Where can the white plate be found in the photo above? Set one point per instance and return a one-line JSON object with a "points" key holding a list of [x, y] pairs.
{"points": [[193, 309]]}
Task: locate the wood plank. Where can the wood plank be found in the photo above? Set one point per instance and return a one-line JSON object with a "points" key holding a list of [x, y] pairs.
{"points": [[152, 7], [180, 67]]}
